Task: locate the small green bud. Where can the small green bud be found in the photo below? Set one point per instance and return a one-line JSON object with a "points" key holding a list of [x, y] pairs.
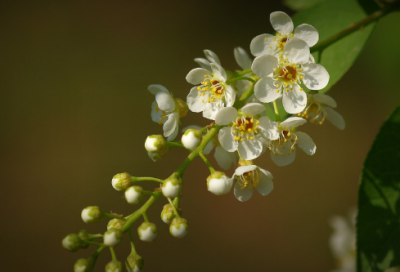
{"points": [[72, 242], [81, 265], [167, 213], [121, 181], [134, 194], [115, 224], [156, 147], [112, 237], [192, 138], [179, 227], [134, 263], [147, 231], [91, 214], [171, 187], [84, 236], [182, 107], [114, 266]]}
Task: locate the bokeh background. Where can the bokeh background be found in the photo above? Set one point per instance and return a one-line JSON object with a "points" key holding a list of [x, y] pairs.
{"points": [[76, 110]]}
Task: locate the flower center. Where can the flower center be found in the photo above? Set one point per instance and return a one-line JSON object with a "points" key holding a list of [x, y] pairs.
{"points": [[249, 179], [163, 115], [316, 111], [245, 128], [287, 75], [284, 144], [213, 87]]}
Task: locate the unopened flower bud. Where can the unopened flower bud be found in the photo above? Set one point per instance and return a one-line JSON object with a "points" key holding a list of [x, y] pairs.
{"points": [[114, 266], [84, 236], [121, 181], [115, 224], [179, 227], [171, 187], [156, 147], [167, 213], [72, 242], [112, 237], [81, 265], [182, 107], [191, 139], [134, 194], [218, 183], [147, 231], [134, 263], [91, 214]]}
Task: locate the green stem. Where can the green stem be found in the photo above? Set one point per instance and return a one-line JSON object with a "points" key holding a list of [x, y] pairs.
{"points": [[277, 116], [244, 72], [173, 144], [242, 99], [95, 255], [212, 170], [173, 207], [93, 243], [113, 216], [93, 236], [147, 192], [239, 78], [133, 250], [113, 256], [136, 179], [355, 26], [145, 217]]}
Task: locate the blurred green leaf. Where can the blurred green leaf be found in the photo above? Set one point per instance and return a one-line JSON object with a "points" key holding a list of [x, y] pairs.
{"points": [[378, 222], [330, 17], [299, 5]]}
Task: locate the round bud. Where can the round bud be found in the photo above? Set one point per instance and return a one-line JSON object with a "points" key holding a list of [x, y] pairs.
{"points": [[134, 194], [112, 237], [121, 181], [147, 231], [114, 266], [179, 227], [182, 107], [91, 214], [81, 265], [84, 236], [156, 147], [115, 224], [134, 263], [218, 183], [191, 139], [167, 213], [171, 187], [72, 242]]}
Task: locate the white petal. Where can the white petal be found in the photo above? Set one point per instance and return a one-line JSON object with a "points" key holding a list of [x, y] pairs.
{"points": [[264, 65], [211, 56], [156, 88], [268, 128], [211, 110], [311, 59], [259, 46], [165, 102], [286, 159], [265, 186], [292, 122], [170, 125], [294, 101], [230, 96], [281, 22], [244, 169], [226, 139], [242, 86], [307, 33], [265, 90], [205, 64], [226, 116], [297, 51], [315, 76], [174, 133], [224, 158], [208, 148], [242, 58], [335, 118], [250, 149], [218, 71], [156, 114], [266, 173], [194, 101], [196, 75], [306, 143], [325, 99], [253, 109], [242, 194]]}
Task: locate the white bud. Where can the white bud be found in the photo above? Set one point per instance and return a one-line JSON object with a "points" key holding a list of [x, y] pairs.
{"points": [[112, 237], [147, 231], [167, 214], [114, 266], [218, 183], [134, 194], [171, 187], [91, 214], [179, 227], [134, 263], [72, 242], [81, 265], [121, 181], [115, 224], [191, 139], [156, 147]]}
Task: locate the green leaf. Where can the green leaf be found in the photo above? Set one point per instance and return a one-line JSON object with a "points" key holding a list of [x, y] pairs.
{"points": [[378, 222], [329, 18], [299, 5]]}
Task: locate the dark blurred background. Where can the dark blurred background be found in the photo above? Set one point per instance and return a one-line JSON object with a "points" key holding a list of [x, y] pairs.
{"points": [[76, 110]]}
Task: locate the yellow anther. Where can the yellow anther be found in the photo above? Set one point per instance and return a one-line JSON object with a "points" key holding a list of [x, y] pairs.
{"points": [[205, 75], [307, 116], [265, 39], [320, 122], [242, 139], [247, 121], [160, 122], [270, 47], [274, 69], [285, 84], [214, 89], [301, 77], [289, 134], [292, 148], [296, 139], [219, 96], [234, 131], [283, 147], [277, 85], [234, 124], [249, 129], [301, 70], [242, 132], [198, 88], [257, 122], [247, 137], [274, 39], [276, 154], [291, 35], [203, 89], [280, 56], [202, 100], [314, 120], [301, 89], [200, 94], [251, 121], [157, 109], [251, 138], [285, 140], [277, 91]]}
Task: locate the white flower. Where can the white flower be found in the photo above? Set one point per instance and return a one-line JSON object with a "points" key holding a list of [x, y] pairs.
{"points": [[147, 231], [179, 227], [165, 111], [213, 94], [283, 25], [319, 107], [218, 183], [283, 140], [249, 176], [91, 214], [156, 147], [112, 237], [134, 194], [191, 139], [282, 76], [211, 57], [242, 135], [171, 187]]}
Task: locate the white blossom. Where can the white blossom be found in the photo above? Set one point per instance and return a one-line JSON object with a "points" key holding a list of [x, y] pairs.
{"points": [[191, 139], [219, 184], [134, 194], [205, 63], [171, 188], [112, 237], [179, 227], [147, 231]]}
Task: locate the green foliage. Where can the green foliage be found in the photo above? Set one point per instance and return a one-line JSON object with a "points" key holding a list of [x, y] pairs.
{"points": [[299, 5], [378, 222], [330, 17]]}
